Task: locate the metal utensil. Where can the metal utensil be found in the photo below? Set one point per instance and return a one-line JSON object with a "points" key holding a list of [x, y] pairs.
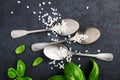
{"points": [[67, 27], [87, 36], [60, 51]]}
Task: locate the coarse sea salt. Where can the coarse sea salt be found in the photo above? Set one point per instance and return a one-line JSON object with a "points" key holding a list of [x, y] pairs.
{"points": [[11, 12], [87, 7], [27, 6], [18, 2]]}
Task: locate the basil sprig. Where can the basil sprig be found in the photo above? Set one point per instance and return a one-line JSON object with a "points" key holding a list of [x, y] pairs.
{"points": [[18, 74], [94, 74]]}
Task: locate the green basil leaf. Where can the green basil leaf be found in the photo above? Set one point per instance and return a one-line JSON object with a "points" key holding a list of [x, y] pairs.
{"points": [[94, 74], [21, 67], [57, 77], [73, 72], [37, 61], [20, 49], [12, 73], [27, 78]]}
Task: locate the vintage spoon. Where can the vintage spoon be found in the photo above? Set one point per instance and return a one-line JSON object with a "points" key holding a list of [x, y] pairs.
{"points": [[60, 51], [67, 27], [87, 36]]}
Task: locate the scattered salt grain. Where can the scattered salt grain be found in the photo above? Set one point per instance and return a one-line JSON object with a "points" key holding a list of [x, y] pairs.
{"points": [[27, 6], [76, 51], [79, 65], [42, 8], [69, 36], [87, 7], [49, 2], [43, 3], [11, 12], [39, 4], [86, 50], [51, 68], [34, 12], [48, 34], [70, 48], [18, 2], [98, 50], [78, 59]]}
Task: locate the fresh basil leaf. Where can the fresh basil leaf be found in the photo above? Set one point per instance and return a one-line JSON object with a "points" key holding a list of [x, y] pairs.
{"points": [[19, 78], [37, 61], [27, 78], [12, 73], [20, 49], [57, 77], [94, 74], [21, 67], [73, 72]]}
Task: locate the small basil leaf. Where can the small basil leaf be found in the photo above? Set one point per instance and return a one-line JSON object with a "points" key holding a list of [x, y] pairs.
{"points": [[37, 61], [27, 78], [73, 72], [57, 77], [20, 49], [21, 67], [12, 73], [94, 74]]}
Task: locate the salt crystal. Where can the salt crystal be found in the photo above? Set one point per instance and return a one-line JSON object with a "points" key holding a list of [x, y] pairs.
{"points": [[39, 4], [87, 7], [51, 68], [18, 2], [49, 2], [42, 9], [56, 35], [52, 39], [69, 36], [43, 3], [34, 12], [79, 65], [75, 50], [78, 59], [86, 50], [70, 48], [98, 50], [11, 12], [40, 12], [27, 6], [48, 34], [69, 42]]}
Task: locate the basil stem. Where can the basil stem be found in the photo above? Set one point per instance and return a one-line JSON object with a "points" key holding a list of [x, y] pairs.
{"points": [[73, 72], [37, 61], [94, 74], [57, 77], [20, 49], [21, 67]]}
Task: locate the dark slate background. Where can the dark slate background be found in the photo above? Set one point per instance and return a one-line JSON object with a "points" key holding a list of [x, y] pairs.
{"points": [[102, 14]]}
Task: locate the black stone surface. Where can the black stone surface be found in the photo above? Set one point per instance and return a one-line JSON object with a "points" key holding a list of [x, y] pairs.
{"points": [[102, 14]]}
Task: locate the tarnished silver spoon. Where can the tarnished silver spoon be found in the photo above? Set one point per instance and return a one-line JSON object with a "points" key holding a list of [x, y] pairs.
{"points": [[60, 52], [66, 27], [87, 36]]}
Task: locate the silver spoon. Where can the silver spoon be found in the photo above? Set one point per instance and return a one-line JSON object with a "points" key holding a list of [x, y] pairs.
{"points": [[87, 36], [60, 52], [67, 27]]}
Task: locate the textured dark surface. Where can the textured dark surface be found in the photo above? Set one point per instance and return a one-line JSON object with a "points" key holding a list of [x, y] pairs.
{"points": [[102, 14]]}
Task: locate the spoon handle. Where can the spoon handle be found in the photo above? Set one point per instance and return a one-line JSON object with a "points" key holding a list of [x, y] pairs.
{"points": [[101, 56], [40, 46], [20, 33]]}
